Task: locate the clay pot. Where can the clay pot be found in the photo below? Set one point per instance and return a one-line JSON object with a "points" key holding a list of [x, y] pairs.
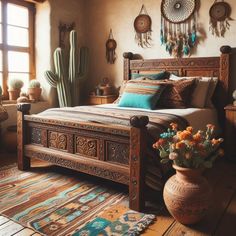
{"points": [[34, 93], [13, 93], [10, 139], [187, 195]]}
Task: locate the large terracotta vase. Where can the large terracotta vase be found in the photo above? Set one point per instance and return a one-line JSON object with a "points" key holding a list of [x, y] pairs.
{"points": [[187, 195]]}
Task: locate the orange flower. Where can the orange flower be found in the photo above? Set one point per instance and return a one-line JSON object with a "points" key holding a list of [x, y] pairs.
{"points": [[216, 141], [197, 137], [162, 141], [180, 145], [190, 129], [173, 126], [185, 135], [192, 143]]}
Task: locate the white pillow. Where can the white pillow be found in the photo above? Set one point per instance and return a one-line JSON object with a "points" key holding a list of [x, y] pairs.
{"points": [[200, 93], [210, 92]]}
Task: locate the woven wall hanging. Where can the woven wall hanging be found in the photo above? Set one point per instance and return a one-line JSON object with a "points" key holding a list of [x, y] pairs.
{"points": [[110, 49], [219, 18], [178, 26], [142, 26]]}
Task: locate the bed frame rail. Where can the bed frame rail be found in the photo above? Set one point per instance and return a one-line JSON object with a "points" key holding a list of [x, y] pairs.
{"points": [[113, 152]]}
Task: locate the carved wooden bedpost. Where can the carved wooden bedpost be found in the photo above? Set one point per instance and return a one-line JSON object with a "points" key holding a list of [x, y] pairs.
{"points": [[23, 162], [127, 57], [138, 143], [223, 96]]}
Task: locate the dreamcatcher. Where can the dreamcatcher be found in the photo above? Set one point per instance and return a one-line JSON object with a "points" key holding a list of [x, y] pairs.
{"points": [[110, 49], [219, 18], [178, 26], [142, 26]]}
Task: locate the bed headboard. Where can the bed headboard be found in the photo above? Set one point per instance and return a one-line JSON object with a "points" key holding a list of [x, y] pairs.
{"points": [[200, 66]]}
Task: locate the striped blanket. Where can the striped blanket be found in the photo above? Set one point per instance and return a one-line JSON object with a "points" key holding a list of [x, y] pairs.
{"points": [[158, 122]]}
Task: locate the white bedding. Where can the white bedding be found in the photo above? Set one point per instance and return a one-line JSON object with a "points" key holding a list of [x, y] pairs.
{"points": [[196, 117]]}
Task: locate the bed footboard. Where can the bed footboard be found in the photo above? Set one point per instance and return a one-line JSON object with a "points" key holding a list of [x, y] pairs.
{"points": [[113, 152]]}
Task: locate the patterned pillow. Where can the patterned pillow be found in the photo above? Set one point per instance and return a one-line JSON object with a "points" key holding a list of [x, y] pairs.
{"points": [[141, 94], [158, 76], [177, 94]]}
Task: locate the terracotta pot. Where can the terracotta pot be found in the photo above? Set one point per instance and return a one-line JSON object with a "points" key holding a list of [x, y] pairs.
{"points": [[10, 139], [13, 93], [34, 93], [187, 195]]}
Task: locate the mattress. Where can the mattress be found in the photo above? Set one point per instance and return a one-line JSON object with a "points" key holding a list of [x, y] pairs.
{"points": [[198, 118]]}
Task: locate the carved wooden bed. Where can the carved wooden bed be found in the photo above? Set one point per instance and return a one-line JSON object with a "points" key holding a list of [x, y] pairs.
{"points": [[34, 135]]}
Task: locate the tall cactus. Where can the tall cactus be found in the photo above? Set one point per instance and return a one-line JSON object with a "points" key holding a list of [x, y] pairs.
{"points": [[59, 79], [68, 86], [76, 74]]}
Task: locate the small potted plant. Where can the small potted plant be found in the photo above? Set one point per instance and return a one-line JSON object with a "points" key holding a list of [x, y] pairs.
{"points": [[34, 90], [14, 88], [187, 193]]}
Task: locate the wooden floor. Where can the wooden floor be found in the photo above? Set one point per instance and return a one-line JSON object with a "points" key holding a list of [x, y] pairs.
{"points": [[221, 218]]}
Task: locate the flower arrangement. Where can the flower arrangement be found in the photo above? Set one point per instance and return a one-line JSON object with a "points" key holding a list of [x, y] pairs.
{"points": [[188, 149]]}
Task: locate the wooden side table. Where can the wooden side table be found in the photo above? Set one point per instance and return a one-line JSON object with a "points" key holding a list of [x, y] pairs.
{"points": [[230, 132], [97, 100]]}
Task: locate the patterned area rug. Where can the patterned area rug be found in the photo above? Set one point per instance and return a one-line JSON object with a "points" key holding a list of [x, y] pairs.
{"points": [[55, 201]]}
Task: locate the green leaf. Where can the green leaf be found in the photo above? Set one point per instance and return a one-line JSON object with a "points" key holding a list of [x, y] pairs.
{"points": [[163, 154], [164, 161]]}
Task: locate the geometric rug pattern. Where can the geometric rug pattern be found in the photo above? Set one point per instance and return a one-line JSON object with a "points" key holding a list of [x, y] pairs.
{"points": [[55, 201]]}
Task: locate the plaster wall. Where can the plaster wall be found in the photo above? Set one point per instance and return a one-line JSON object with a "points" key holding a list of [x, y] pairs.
{"points": [[48, 16], [120, 14]]}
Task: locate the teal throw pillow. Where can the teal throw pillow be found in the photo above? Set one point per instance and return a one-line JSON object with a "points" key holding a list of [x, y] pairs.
{"points": [[141, 95], [158, 76]]}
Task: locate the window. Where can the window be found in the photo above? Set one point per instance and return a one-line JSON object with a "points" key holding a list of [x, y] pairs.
{"points": [[16, 42]]}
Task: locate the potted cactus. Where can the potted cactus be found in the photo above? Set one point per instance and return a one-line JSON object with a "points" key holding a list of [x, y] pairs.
{"points": [[14, 88], [34, 90]]}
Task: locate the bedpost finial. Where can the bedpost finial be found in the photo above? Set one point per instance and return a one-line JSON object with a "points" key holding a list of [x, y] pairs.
{"points": [[128, 55], [139, 121], [23, 107], [226, 49]]}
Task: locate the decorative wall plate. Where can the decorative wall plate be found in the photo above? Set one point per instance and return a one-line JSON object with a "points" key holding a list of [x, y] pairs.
{"points": [[142, 23], [177, 11], [111, 44], [220, 11], [219, 18], [142, 26], [110, 49]]}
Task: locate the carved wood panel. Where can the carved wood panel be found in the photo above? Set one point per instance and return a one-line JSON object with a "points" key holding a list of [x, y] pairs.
{"points": [[117, 152], [103, 172], [57, 140], [35, 135], [87, 146]]}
